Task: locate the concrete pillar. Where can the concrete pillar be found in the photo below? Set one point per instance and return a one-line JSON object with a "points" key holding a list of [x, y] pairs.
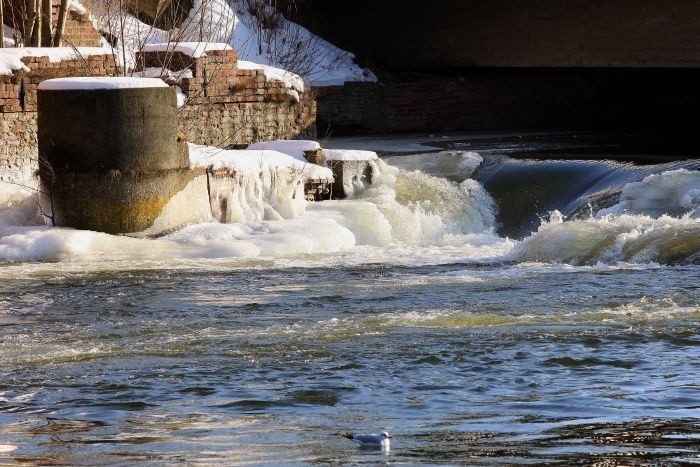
{"points": [[109, 153]]}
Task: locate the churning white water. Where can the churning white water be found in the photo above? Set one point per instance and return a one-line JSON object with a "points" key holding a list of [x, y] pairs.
{"points": [[656, 220], [404, 216], [267, 216]]}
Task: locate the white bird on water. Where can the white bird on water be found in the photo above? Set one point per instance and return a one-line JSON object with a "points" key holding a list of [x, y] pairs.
{"points": [[381, 440]]}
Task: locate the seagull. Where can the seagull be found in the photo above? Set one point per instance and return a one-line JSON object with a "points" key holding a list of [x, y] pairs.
{"points": [[381, 440]]}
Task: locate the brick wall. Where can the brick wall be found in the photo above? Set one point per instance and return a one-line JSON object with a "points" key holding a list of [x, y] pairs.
{"points": [[18, 140], [512, 99], [236, 124], [228, 106], [18, 151]]}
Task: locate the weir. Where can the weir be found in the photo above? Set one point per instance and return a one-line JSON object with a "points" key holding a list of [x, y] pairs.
{"points": [[527, 191]]}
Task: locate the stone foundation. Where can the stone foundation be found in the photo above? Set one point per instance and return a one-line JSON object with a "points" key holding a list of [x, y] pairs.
{"points": [[349, 175]]}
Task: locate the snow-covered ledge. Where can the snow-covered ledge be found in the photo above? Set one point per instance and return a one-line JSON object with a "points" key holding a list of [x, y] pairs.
{"points": [[11, 58], [191, 49], [100, 82], [352, 169]]}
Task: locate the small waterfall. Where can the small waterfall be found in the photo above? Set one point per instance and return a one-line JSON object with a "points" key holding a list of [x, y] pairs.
{"points": [[595, 212], [526, 191], [655, 220], [412, 208]]}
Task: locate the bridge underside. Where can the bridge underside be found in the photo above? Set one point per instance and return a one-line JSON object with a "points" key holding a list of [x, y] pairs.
{"points": [[395, 34], [512, 64]]}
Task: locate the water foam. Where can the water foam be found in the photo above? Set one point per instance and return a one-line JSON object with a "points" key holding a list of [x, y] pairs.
{"points": [[674, 193], [610, 239], [404, 217], [414, 208], [655, 221]]}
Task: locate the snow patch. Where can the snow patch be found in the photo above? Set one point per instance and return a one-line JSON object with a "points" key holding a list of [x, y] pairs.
{"points": [[191, 49], [100, 82], [349, 155]]}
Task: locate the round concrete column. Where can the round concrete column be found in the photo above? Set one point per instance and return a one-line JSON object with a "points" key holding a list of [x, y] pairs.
{"points": [[109, 152]]}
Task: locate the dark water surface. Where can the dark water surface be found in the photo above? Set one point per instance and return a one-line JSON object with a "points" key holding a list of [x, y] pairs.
{"points": [[495, 364]]}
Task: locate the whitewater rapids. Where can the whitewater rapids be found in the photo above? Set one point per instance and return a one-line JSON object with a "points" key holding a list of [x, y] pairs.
{"points": [[404, 217]]}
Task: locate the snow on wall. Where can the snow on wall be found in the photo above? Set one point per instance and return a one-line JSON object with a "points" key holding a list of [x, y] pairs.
{"points": [[100, 82], [191, 49], [291, 80], [11, 58]]}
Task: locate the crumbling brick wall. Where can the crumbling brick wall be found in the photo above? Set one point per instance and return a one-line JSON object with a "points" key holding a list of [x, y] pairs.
{"points": [[228, 106], [80, 32]]}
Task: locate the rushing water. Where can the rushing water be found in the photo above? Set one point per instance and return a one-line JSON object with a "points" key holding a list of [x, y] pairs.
{"points": [[409, 308]]}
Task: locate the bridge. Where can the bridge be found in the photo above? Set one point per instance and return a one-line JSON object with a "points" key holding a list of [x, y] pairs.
{"points": [[512, 63]]}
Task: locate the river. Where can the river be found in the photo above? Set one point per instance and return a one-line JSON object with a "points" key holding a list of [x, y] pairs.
{"points": [[566, 330]]}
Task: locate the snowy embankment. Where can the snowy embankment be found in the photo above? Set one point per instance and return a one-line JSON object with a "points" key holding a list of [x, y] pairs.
{"points": [[285, 53], [295, 48]]}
